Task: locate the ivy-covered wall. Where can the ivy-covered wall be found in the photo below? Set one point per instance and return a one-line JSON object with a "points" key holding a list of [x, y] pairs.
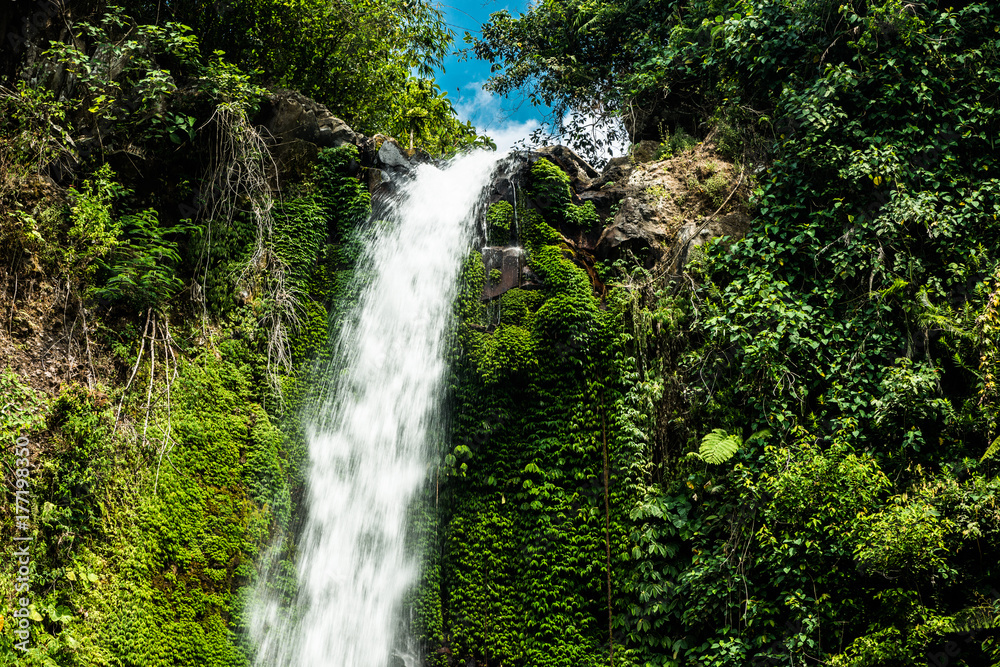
{"points": [[799, 433]]}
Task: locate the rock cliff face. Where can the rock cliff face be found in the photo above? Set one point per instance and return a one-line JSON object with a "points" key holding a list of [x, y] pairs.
{"points": [[670, 206], [290, 116], [296, 128], [509, 262], [652, 208], [657, 210]]}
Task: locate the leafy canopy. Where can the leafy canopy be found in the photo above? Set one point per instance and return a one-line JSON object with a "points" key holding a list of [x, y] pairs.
{"points": [[359, 58]]}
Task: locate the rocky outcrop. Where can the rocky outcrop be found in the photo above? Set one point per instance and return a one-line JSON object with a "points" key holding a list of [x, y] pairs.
{"points": [[297, 127], [669, 206], [388, 162], [645, 151], [289, 116], [636, 230], [653, 211], [392, 155], [505, 270]]}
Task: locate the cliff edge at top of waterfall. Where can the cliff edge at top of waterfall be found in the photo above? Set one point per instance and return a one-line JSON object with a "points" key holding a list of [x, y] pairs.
{"points": [[297, 127]]}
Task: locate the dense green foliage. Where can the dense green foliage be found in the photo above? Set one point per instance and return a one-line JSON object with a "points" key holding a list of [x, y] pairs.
{"points": [[151, 506], [142, 68], [786, 455], [539, 411], [856, 322], [425, 116], [354, 56], [196, 304]]}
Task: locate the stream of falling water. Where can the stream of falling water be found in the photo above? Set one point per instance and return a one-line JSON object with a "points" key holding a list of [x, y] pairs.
{"points": [[369, 443]]}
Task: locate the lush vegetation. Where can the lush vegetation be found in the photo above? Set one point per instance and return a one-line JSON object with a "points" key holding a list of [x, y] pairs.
{"points": [[851, 331], [371, 63], [785, 455], [166, 304], [540, 418], [156, 485]]}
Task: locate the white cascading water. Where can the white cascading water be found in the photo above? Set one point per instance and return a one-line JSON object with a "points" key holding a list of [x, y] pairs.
{"points": [[368, 446]]}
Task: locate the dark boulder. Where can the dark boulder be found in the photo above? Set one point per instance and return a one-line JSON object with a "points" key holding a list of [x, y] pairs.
{"points": [[634, 231], [288, 115], [510, 264]]}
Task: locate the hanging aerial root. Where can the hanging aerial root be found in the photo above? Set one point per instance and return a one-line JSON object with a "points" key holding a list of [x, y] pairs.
{"points": [[238, 182]]}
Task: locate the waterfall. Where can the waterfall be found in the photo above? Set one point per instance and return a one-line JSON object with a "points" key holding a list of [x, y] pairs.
{"points": [[369, 443]]}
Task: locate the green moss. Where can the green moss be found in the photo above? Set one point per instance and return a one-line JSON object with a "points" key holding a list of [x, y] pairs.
{"points": [[311, 341], [501, 354], [517, 305], [521, 508], [500, 220], [146, 527], [584, 216], [472, 280], [717, 188], [205, 512], [347, 200], [535, 232], [550, 188], [300, 231], [481, 547], [24, 408], [148, 521]]}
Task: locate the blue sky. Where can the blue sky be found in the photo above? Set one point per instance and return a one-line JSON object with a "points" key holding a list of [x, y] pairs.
{"points": [[505, 120]]}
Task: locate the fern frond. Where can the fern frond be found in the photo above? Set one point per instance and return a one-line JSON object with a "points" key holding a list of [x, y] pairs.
{"points": [[973, 619], [991, 450], [718, 446], [759, 435]]}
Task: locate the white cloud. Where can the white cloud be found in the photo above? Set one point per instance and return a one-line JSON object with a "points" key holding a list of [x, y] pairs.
{"points": [[486, 112], [506, 135], [482, 108]]}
